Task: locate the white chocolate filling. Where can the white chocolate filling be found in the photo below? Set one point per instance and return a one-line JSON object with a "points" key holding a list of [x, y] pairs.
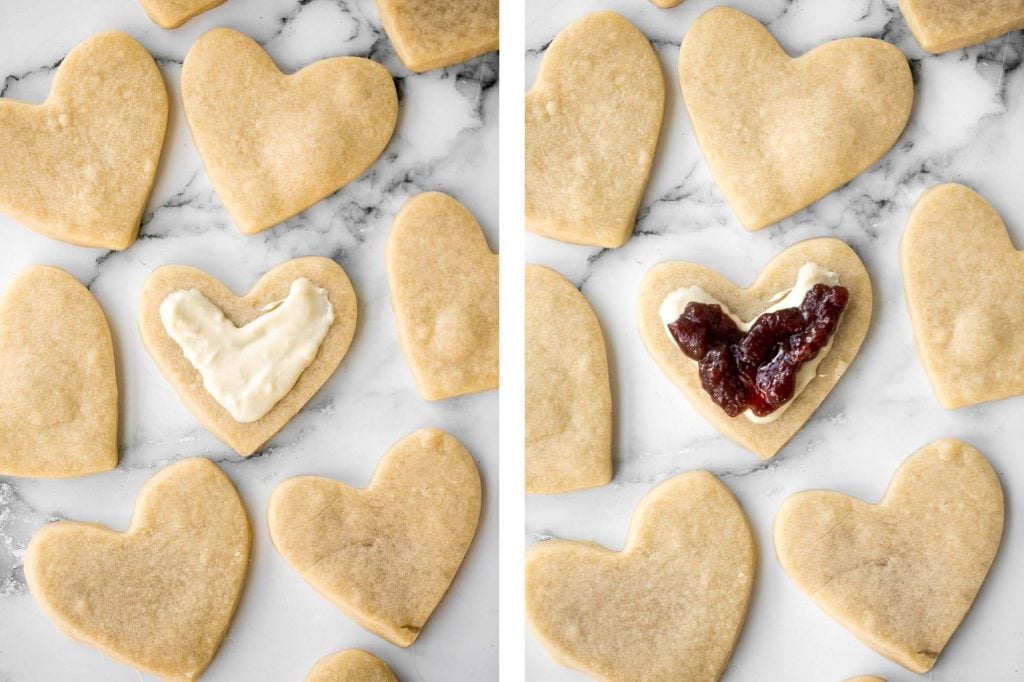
{"points": [[250, 369], [809, 275]]}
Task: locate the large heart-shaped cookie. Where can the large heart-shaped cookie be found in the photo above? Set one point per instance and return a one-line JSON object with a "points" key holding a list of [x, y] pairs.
{"points": [[386, 554], [568, 392], [780, 133], [671, 604], [964, 284], [351, 665], [160, 596], [80, 166], [447, 313], [592, 123], [58, 391], [429, 34], [275, 144], [779, 276], [174, 13], [273, 288], [943, 25], [901, 574]]}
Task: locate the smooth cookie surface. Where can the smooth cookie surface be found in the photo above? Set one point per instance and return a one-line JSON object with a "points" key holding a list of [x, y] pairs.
{"points": [[174, 13], [943, 25], [429, 34], [351, 665]]}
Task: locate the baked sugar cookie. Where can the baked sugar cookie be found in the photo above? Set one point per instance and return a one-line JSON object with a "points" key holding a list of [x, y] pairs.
{"points": [[351, 665], [780, 133], [447, 312], [275, 144], [785, 284], [592, 123], [244, 366], [80, 166], [901, 574], [943, 25], [386, 554], [160, 596], [866, 678], [174, 13], [58, 390], [429, 34], [671, 604], [568, 394], [969, 345]]}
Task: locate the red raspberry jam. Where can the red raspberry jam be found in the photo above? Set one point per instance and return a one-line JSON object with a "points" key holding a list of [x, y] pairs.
{"points": [[757, 369]]}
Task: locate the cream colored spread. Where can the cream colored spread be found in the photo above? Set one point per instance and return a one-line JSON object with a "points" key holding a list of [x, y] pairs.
{"points": [[809, 275], [250, 369]]}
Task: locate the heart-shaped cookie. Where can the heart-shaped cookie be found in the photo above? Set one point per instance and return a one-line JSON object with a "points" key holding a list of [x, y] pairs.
{"points": [[447, 313], [80, 166], [568, 391], [351, 665], [763, 439], [275, 144], [780, 133], [269, 295], [901, 574], [58, 390], [671, 604], [943, 25], [592, 124], [429, 34], [386, 554], [955, 242], [174, 13], [160, 596]]}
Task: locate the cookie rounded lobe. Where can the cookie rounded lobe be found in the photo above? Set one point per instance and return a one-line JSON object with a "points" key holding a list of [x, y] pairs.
{"points": [[351, 665], [430, 34]]}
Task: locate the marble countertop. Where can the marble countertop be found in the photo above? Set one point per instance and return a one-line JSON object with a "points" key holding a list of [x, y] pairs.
{"points": [[446, 140], [967, 126]]}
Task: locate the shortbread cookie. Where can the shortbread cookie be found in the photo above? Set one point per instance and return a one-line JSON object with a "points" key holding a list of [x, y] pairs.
{"points": [[351, 665], [866, 678], [943, 25], [386, 554], [174, 13], [568, 394], [429, 34], [58, 390], [592, 123], [780, 133], [762, 436], [964, 284], [666, 4], [80, 166], [274, 145], [901, 574], [284, 338], [160, 596], [671, 604], [444, 293]]}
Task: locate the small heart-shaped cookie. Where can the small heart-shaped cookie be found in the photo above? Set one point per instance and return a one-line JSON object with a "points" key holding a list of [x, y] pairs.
{"points": [[174, 13], [943, 25], [80, 166], [351, 665], [592, 124], [446, 312], [160, 596], [956, 242], [778, 277], [780, 133], [568, 393], [429, 34], [901, 574], [386, 554], [275, 144], [58, 390], [671, 604], [311, 363]]}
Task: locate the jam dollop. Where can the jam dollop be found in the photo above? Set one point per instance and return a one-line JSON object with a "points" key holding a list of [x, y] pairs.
{"points": [[757, 369]]}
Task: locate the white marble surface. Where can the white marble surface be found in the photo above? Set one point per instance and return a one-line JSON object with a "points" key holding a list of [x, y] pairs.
{"points": [[447, 140], [967, 125]]}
